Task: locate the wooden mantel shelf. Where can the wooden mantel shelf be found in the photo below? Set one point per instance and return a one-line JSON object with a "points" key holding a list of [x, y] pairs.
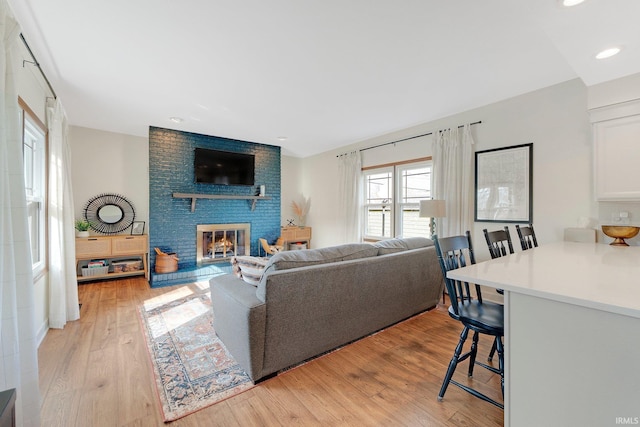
{"points": [[196, 196]]}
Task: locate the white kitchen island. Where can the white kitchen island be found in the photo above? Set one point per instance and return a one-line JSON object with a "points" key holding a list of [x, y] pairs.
{"points": [[572, 333]]}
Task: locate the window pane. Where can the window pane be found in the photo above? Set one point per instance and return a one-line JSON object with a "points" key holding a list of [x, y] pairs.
{"points": [[34, 167], [416, 184], [412, 224], [378, 222], [379, 188], [28, 169], [33, 216]]}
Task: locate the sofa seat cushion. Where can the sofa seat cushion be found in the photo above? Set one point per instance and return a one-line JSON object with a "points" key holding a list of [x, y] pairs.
{"points": [[304, 258], [390, 246], [249, 268]]}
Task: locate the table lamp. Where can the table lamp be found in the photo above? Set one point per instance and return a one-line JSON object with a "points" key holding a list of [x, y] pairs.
{"points": [[432, 208]]}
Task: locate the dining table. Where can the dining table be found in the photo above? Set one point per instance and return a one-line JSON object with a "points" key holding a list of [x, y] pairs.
{"points": [[572, 333]]}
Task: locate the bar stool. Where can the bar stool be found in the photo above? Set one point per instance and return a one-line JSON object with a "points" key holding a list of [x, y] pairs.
{"points": [[476, 315]]}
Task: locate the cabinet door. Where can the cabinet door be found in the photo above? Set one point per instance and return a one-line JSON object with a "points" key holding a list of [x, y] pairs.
{"points": [[129, 245], [93, 247], [617, 156], [303, 233]]}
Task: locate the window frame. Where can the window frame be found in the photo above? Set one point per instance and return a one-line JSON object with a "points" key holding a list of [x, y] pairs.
{"points": [[30, 123], [382, 205], [398, 201]]}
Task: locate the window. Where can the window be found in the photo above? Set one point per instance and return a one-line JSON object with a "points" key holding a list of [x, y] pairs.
{"points": [[34, 155], [392, 200]]}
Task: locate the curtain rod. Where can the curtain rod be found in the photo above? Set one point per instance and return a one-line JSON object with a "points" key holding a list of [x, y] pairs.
{"points": [[37, 64], [406, 139]]}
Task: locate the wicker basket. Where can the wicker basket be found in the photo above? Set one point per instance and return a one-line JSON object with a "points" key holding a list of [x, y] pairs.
{"points": [[166, 263], [128, 265], [94, 271]]}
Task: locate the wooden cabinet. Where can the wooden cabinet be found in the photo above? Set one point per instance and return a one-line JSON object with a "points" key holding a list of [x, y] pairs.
{"points": [[296, 234], [616, 135], [111, 249]]}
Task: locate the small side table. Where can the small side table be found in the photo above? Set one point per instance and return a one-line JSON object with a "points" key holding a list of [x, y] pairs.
{"points": [[296, 234]]}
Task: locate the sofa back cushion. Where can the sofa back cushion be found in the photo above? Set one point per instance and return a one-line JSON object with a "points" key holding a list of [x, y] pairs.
{"points": [[391, 246], [294, 259]]}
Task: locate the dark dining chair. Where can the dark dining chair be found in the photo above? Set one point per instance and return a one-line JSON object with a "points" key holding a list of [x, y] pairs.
{"points": [[527, 237], [476, 315], [499, 244]]}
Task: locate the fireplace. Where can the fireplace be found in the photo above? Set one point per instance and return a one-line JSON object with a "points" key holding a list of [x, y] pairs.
{"points": [[219, 242]]}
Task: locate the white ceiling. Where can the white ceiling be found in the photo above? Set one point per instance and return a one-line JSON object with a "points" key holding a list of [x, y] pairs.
{"points": [[323, 74]]}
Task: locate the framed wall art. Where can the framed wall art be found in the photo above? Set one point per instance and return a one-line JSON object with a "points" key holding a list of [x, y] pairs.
{"points": [[504, 184], [137, 228]]}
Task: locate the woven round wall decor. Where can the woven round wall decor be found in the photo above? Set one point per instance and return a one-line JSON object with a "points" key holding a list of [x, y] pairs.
{"points": [[109, 213]]}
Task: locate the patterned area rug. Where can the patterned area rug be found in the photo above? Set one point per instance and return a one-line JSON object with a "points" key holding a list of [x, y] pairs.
{"points": [[192, 368]]}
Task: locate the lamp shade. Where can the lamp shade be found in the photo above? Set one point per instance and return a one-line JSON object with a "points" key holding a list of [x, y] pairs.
{"points": [[433, 208]]}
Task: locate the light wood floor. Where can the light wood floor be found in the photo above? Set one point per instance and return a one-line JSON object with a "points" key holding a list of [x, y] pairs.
{"points": [[96, 372]]}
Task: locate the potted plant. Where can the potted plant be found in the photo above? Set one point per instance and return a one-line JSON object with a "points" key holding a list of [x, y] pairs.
{"points": [[82, 226]]}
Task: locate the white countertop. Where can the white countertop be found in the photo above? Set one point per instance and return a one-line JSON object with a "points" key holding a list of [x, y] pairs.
{"points": [[591, 275]]}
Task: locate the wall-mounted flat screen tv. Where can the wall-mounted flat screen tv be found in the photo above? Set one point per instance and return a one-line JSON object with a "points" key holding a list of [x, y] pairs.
{"points": [[224, 167]]}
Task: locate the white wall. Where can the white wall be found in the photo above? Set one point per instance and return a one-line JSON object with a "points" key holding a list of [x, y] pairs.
{"points": [[614, 91], [107, 162], [555, 119], [290, 186]]}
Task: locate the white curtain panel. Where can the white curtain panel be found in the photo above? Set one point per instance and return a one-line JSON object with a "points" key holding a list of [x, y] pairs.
{"points": [[350, 194], [453, 179], [19, 357], [63, 283]]}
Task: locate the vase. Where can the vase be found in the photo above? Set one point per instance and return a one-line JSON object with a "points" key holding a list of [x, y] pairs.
{"points": [[82, 234]]}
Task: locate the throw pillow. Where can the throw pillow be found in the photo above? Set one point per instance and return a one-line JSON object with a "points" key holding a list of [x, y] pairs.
{"points": [[248, 268]]}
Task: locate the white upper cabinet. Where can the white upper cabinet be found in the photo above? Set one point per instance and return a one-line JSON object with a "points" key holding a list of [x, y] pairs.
{"points": [[616, 134]]}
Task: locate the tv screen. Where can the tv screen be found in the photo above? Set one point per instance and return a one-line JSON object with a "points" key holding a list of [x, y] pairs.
{"points": [[224, 167]]}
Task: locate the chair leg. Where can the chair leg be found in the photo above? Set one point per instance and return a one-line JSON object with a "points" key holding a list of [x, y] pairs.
{"points": [[453, 363], [500, 350], [473, 353], [492, 352]]}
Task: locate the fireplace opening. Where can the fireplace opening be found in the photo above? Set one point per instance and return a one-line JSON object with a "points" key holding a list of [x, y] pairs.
{"points": [[219, 242]]}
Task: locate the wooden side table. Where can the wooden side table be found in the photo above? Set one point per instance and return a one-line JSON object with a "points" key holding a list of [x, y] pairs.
{"points": [[295, 235], [118, 246]]}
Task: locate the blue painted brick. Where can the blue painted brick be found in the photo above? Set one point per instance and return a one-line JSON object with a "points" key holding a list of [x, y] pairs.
{"points": [[171, 222]]}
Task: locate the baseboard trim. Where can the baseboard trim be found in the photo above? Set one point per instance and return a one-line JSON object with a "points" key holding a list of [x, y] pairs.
{"points": [[42, 332]]}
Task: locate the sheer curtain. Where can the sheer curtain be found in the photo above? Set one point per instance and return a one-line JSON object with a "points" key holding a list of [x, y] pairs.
{"points": [[349, 193], [453, 179], [18, 348], [63, 284]]}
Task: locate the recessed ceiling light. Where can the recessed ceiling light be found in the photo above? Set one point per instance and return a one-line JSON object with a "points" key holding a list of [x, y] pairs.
{"points": [[176, 119], [607, 53], [282, 138], [569, 3]]}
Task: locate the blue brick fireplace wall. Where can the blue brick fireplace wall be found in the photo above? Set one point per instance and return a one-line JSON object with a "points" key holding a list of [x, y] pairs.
{"points": [[172, 225]]}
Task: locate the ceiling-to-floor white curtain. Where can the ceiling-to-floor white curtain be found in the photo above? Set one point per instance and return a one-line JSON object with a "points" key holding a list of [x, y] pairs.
{"points": [[350, 194], [18, 352], [453, 179], [63, 283]]}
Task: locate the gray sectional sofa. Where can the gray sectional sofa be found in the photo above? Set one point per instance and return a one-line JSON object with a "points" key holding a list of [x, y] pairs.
{"points": [[311, 301]]}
